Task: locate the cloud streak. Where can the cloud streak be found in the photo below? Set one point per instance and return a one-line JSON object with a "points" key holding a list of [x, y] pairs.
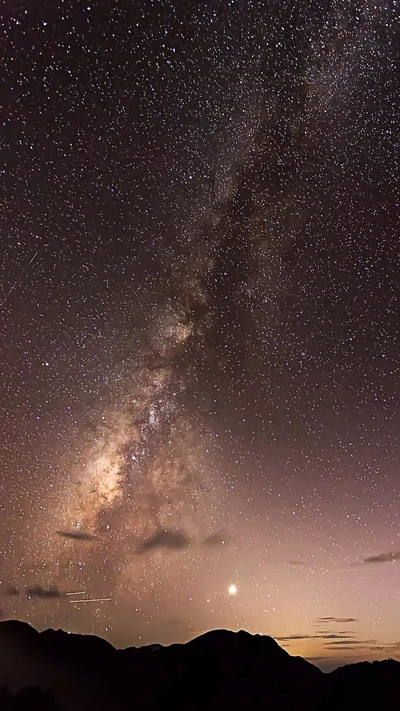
{"points": [[336, 619], [76, 535], [388, 557], [40, 592], [344, 643], [165, 539], [297, 562], [356, 646], [337, 636], [215, 539]]}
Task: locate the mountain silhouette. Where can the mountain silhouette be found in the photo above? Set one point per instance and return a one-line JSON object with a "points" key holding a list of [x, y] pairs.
{"points": [[218, 671]]}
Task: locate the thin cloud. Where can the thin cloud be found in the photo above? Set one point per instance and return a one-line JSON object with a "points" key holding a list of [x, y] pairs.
{"points": [[293, 637], [343, 643], [352, 647], [388, 557], [297, 562], [180, 626], [40, 592], [171, 540], [76, 535], [388, 648], [336, 619], [339, 635], [215, 539], [11, 591]]}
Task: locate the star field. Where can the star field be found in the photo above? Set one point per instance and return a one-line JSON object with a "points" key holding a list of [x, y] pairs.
{"points": [[199, 322]]}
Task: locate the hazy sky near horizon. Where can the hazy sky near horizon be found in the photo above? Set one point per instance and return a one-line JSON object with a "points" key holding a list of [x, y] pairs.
{"points": [[199, 322]]}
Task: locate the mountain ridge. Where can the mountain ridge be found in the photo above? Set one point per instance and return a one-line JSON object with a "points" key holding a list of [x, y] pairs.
{"points": [[219, 669]]}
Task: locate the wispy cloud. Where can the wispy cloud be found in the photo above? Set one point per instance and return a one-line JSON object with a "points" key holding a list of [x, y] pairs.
{"points": [[76, 535], [388, 557], [393, 648], [335, 619], [292, 637], [172, 540], [11, 591], [365, 646], [215, 539], [297, 562], [344, 642], [39, 591], [352, 647], [329, 635]]}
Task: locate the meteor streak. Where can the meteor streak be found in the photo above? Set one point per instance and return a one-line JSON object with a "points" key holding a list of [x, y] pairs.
{"points": [[94, 599], [19, 279]]}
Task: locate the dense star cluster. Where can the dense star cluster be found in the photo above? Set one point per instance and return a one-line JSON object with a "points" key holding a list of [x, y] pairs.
{"points": [[199, 339]]}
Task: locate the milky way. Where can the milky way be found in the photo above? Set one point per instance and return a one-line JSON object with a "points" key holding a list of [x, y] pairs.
{"points": [[200, 363]]}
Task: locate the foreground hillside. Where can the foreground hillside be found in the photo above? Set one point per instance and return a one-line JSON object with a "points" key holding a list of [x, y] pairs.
{"points": [[217, 671]]}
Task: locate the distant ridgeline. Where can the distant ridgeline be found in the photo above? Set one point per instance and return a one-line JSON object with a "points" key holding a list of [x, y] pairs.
{"points": [[218, 671]]}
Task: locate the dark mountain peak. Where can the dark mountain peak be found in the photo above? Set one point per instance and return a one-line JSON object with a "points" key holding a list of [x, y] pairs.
{"points": [[370, 670], [87, 641], [17, 628], [240, 642], [17, 633]]}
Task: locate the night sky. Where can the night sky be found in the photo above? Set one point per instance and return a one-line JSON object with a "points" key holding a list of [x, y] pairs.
{"points": [[198, 327]]}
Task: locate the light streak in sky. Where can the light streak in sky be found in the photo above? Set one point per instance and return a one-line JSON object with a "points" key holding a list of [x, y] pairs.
{"points": [[94, 599], [19, 279]]}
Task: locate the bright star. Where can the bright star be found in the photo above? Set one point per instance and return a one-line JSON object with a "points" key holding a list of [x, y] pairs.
{"points": [[232, 590]]}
